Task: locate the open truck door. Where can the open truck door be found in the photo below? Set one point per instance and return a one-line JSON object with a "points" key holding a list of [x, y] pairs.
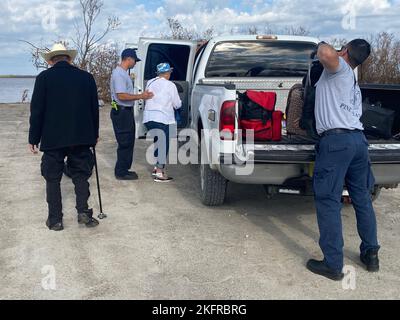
{"points": [[180, 55]]}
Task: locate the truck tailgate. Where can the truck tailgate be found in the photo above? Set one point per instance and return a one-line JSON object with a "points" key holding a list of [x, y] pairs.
{"points": [[289, 153]]}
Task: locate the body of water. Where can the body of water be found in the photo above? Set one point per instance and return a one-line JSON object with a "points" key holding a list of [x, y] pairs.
{"points": [[12, 89]]}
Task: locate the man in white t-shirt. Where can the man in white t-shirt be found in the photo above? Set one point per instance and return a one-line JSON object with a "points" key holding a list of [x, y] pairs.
{"points": [[342, 159]]}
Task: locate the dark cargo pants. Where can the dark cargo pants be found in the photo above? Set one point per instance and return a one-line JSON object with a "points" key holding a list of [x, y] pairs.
{"points": [[343, 159], [80, 162], [124, 128]]}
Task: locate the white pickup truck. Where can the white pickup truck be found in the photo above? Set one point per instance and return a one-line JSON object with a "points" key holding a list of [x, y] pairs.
{"points": [[209, 78]]}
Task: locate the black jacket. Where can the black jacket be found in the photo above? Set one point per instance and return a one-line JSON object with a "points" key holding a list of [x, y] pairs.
{"points": [[64, 108]]}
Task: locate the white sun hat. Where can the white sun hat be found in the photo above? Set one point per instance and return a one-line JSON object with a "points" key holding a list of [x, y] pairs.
{"points": [[59, 50]]}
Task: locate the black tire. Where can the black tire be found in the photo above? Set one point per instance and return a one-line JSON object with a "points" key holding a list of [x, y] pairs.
{"points": [[270, 191], [213, 185]]}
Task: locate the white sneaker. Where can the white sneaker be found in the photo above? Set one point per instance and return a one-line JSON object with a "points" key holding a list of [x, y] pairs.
{"points": [[162, 177]]}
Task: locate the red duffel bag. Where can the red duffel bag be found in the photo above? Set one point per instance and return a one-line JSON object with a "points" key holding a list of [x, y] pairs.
{"points": [[261, 131], [267, 125], [277, 117]]}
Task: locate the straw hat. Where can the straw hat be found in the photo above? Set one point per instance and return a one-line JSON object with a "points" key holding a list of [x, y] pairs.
{"points": [[59, 50]]}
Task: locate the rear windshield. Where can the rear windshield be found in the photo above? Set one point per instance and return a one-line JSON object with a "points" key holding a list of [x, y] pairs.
{"points": [[259, 59]]}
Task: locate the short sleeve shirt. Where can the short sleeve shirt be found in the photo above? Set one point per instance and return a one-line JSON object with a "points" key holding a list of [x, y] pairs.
{"points": [[121, 82], [338, 101]]}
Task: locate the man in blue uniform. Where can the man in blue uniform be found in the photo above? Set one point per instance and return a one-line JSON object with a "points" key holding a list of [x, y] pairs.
{"points": [[342, 159], [122, 113]]}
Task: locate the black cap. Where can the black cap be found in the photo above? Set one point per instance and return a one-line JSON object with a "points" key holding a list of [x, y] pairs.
{"points": [[359, 50], [130, 53]]}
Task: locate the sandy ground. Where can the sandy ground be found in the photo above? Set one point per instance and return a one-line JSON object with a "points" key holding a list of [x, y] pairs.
{"points": [[160, 242]]}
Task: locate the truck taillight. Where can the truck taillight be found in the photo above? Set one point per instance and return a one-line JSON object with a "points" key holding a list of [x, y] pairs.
{"points": [[227, 120]]}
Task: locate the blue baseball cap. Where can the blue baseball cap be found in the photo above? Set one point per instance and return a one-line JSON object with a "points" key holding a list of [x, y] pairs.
{"points": [[163, 68], [130, 53]]}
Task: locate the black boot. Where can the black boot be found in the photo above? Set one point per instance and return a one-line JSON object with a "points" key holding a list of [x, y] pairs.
{"points": [[371, 260], [55, 227], [319, 267], [86, 218]]}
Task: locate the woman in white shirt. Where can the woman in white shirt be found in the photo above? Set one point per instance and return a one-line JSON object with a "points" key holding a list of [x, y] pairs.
{"points": [[159, 116]]}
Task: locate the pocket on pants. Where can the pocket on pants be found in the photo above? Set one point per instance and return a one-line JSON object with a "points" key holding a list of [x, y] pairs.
{"points": [[323, 182], [52, 167]]}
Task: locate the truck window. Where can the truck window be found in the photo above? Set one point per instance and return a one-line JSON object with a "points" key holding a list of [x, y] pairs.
{"points": [[199, 55], [176, 55], [259, 59]]}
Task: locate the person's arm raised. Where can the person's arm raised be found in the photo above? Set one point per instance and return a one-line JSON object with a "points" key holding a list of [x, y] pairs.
{"points": [[329, 57]]}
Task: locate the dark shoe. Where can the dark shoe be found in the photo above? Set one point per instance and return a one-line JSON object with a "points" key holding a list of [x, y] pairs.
{"points": [[133, 174], [127, 177], [87, 219], [371, 260], [93, 223], [55, 227], [319, 267]]}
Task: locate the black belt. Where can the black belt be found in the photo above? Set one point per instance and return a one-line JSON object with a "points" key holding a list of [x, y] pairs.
{"points": [[335, 131], [124, 107]]}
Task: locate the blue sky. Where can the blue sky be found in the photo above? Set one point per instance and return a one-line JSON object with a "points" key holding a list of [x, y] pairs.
{"points": [[43, 22]]}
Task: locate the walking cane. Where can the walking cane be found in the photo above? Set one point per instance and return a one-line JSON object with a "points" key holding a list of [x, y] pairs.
{"points": [[101, 215]]}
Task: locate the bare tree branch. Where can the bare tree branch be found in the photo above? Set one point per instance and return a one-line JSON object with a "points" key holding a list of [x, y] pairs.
{"points": [[92, 55], [36, 57], [179, 32]]}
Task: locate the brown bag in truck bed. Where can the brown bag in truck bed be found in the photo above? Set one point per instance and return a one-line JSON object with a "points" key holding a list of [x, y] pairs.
{"points": [[294, 110]]}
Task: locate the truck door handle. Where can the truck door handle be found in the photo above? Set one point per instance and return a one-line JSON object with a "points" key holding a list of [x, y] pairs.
{"points": [[140, 102]]}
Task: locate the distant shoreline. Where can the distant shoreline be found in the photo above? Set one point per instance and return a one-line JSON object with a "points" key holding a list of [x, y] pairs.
{"points": [[17, 77]]}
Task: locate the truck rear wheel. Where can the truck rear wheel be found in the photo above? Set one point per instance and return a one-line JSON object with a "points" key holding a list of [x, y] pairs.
{"points": [[213, 185], [374, 196]]}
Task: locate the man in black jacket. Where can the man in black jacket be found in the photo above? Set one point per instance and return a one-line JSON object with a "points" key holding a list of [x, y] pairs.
{"points": [[65, 122]]}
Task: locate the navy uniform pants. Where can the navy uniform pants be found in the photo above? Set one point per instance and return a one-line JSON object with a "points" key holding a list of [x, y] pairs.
{"points": [[343, 159], [124, 128], [80, 162]]}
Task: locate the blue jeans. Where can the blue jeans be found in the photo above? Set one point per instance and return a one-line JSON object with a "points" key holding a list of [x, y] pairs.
{"points": [[342, 158], [160, 132]]}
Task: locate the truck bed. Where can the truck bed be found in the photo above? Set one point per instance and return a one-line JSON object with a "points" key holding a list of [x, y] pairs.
{"points": [[300, 140]]}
